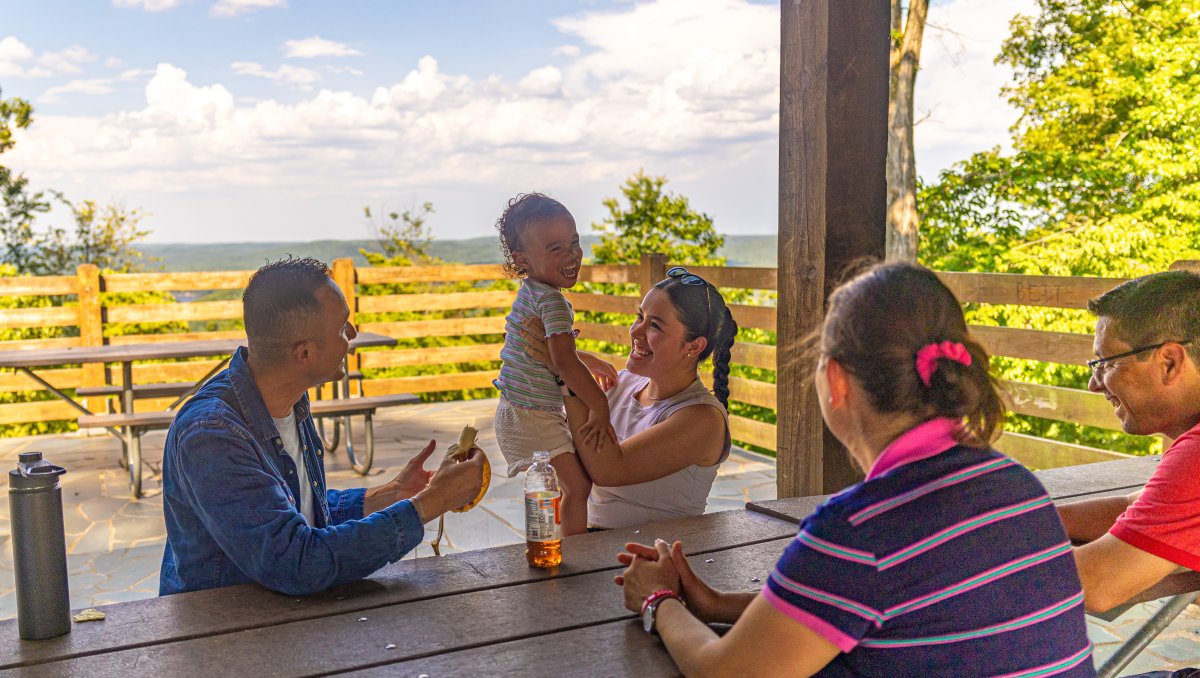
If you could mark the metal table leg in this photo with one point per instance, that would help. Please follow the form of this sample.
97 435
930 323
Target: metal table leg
133 440
1148 632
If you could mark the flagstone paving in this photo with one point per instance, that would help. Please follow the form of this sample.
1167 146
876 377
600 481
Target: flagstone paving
114 543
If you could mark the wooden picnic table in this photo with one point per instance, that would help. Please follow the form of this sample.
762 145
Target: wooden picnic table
27 360
477 613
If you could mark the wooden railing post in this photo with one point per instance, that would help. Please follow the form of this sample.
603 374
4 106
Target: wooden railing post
91 322
346 277
653 269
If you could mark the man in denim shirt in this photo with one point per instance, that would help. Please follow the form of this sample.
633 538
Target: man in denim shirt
243 477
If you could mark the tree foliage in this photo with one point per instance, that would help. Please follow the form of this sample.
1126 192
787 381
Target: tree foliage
655 221
1103 178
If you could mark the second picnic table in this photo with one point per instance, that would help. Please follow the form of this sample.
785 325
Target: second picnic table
121 426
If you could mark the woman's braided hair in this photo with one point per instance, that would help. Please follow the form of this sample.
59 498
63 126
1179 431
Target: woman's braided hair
522 212
704 313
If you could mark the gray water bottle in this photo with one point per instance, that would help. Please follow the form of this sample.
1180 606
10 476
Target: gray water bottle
39 548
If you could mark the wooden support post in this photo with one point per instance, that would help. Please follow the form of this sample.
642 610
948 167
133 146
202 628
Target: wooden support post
346 277
91 324
653 270
832 201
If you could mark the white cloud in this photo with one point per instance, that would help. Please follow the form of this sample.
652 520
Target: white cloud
132 74
229 8
344 70
566 50
148 5
67 60
93 87
18 60
291 76
316 46
688 88
113 62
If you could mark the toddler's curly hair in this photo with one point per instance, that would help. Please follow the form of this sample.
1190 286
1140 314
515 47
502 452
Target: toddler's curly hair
522 212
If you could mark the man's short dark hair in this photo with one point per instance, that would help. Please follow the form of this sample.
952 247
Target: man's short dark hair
1154 308
280 303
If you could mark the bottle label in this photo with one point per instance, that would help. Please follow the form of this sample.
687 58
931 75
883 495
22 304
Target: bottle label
542 521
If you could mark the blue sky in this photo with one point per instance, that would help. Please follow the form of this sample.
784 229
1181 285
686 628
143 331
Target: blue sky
237 120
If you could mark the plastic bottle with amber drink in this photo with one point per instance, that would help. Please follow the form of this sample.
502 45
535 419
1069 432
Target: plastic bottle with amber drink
543 526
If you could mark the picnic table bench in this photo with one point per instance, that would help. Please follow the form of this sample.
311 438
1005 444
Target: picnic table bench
140 422
479 613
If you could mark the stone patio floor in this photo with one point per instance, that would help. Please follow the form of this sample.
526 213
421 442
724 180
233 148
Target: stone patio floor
114 543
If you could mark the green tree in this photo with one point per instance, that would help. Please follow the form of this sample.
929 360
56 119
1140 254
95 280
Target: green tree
1103 178
402 236
655 221
21 207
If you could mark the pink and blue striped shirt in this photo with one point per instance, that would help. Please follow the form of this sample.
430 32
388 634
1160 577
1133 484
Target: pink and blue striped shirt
945 560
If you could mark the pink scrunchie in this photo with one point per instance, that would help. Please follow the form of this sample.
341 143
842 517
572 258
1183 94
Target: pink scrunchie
928 356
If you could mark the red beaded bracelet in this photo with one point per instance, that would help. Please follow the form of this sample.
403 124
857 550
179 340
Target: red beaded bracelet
659 595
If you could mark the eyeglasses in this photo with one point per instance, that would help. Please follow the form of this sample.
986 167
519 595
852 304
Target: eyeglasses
1099 365
687 278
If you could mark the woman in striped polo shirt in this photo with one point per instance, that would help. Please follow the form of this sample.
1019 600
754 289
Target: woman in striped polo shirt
948 559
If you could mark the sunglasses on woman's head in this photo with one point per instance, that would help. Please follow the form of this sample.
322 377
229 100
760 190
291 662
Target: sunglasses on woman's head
686 278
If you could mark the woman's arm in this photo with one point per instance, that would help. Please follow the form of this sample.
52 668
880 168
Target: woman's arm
763 641
691 436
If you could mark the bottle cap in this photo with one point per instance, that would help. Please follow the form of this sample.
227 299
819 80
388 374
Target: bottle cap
541 455
33 472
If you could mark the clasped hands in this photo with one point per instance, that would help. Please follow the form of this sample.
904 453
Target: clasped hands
653 568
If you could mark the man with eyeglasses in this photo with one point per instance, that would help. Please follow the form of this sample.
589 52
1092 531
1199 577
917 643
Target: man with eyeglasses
1146 366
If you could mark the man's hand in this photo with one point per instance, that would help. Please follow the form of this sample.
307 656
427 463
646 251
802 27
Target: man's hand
455 483
534 334
412 479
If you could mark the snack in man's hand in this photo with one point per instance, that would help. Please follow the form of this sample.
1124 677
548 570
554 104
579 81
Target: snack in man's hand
465 442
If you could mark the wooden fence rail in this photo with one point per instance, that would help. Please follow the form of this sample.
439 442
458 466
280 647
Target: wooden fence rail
82 309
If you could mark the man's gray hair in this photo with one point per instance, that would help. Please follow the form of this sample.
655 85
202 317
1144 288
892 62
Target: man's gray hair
280 304
1154 308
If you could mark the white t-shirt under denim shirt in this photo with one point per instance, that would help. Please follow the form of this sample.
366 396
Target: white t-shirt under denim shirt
291 443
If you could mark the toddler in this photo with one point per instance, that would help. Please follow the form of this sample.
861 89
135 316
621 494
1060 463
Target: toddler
541 246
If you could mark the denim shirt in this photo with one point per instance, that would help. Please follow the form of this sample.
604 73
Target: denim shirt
230 501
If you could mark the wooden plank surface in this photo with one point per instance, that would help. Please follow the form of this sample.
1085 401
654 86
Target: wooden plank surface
208 280
161 351
41 316
431 356
1053 347
162 313
396 303
447 327
740 277
37 286
1041 453
1060 404
619 648
369 275
1061 483
1027 290
223 611
759 317
603 303
357 639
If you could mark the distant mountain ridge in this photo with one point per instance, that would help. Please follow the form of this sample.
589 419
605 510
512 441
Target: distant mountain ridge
739 250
